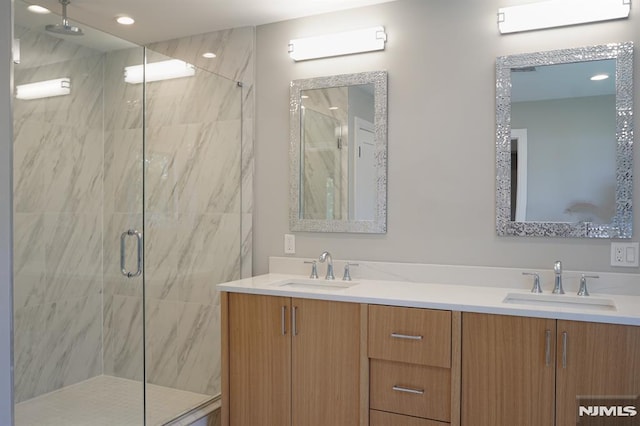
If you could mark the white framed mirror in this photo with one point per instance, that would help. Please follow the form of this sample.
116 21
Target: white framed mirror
564 139
338 153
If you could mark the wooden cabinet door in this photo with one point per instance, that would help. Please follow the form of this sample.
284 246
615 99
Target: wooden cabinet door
595 359
508 370
259 360
325 363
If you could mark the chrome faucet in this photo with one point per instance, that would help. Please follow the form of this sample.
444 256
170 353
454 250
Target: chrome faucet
557 269
326 257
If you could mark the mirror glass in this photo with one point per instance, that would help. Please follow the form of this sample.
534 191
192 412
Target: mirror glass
338 153
564 139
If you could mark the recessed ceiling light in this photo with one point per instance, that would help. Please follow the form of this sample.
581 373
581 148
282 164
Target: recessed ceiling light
125 20
38 9
333 108
209 55
599 77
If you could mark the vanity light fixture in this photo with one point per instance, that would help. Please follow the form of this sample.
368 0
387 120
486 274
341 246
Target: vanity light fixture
345 43
558 13
44 89
156 71
599 77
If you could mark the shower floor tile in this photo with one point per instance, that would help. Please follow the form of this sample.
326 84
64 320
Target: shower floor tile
106 401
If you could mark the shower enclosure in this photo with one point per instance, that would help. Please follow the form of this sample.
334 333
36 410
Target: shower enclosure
126 216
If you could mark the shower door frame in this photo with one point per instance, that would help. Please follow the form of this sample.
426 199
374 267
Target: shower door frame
6 215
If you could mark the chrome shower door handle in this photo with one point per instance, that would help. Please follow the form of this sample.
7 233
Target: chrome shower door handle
140 248
123 268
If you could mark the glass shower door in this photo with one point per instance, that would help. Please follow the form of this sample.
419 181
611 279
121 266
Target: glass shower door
78 172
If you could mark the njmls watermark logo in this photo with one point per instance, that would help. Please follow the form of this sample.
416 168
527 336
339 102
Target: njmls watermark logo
608 410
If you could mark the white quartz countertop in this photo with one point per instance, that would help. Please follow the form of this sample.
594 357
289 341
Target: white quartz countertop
482 299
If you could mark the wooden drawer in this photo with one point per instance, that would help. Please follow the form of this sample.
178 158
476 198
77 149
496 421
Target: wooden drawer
391 385
416 336
382 418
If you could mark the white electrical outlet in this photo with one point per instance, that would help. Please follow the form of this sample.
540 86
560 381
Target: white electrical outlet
625 254
289 244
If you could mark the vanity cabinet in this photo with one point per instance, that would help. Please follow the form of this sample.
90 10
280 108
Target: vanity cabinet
529 371
289 361
414 366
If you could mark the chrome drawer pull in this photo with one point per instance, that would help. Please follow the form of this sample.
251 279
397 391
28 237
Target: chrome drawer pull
408 390
405 336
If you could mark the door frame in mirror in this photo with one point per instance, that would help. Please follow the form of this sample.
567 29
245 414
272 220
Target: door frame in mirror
379 224
621 224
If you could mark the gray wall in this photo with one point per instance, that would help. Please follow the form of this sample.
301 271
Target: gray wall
440 56
6 190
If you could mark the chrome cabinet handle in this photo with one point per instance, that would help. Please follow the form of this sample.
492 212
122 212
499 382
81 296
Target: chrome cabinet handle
564 349
547 347
405 336
284 320
123 268
295 320
408 390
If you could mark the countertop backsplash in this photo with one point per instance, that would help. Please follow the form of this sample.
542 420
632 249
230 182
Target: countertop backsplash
608 283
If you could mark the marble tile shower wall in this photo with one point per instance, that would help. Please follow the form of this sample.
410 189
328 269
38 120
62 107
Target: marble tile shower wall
235 60
58 185
214 182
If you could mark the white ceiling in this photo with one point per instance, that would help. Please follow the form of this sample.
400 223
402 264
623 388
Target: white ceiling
159 20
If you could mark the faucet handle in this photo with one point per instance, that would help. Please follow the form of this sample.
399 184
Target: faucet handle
314 268
557 267
536 282
347 274
583 284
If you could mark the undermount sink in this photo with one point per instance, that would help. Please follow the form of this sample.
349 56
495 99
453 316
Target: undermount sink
316 284
561 301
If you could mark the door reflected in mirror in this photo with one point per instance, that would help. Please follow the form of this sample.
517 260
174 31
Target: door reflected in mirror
338 153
